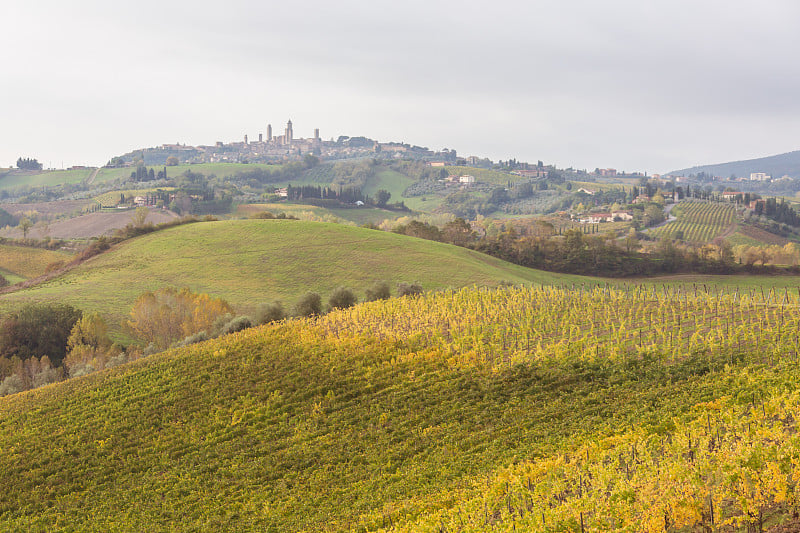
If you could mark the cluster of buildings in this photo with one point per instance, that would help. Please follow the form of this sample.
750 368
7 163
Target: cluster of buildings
597 218
271 147
464 180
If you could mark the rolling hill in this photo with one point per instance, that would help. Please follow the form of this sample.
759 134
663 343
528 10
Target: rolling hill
508 410
775 165
250 261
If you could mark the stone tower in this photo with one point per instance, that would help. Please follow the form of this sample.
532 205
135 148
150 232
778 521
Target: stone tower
289 135
316 134
260 137
269 132
245 139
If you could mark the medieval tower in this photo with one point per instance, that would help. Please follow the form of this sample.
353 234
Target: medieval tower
288 137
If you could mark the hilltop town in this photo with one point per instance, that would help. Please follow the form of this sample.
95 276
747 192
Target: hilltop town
271 148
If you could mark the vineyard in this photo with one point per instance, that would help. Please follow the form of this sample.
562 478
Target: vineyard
698 222
517 409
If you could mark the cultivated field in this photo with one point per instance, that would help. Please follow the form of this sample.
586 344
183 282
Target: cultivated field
86 226
698 222
528 409
61 208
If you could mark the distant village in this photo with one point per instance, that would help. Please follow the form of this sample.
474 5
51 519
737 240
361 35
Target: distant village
271 148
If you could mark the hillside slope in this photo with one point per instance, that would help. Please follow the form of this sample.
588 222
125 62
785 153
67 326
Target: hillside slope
460 411
775 165
250 261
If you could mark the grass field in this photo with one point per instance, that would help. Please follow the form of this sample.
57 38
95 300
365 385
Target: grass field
218 169
358 216
250 261
11 277
595 186
20 178
390 180
25 262
534 409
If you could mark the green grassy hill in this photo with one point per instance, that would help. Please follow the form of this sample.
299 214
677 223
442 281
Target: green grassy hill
42 178
250 261
507 410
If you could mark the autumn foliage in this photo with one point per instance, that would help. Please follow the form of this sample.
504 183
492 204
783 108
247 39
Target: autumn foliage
167 315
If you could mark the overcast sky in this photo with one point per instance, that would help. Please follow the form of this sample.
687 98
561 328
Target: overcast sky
630 84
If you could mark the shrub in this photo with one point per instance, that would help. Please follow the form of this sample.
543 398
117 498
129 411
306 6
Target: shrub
309 305
409 289
193 339
12 384
342 298
117 360
379 291
81 369
270 312
237 324
46 375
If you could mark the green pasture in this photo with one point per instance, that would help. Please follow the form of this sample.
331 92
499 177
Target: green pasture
46 178
248 262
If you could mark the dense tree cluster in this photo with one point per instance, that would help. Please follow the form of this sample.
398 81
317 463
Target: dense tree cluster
142 173
27 163
578 253
349 195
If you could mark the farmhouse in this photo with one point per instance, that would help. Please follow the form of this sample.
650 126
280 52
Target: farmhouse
466 180
596 218
622 215
730 195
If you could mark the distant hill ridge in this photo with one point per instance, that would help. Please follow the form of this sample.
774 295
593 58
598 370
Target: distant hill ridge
775 165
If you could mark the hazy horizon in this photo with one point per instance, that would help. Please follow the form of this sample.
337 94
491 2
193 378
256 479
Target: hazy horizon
634 86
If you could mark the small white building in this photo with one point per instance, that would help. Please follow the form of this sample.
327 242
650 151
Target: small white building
760 176
466 180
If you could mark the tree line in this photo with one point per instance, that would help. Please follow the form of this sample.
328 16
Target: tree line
574 252
48 342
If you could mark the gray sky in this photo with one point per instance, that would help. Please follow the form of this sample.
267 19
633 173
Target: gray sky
630 84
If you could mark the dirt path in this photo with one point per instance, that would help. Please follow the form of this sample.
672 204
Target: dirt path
92 176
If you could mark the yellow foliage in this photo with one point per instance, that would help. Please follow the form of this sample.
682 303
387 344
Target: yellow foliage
168 314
